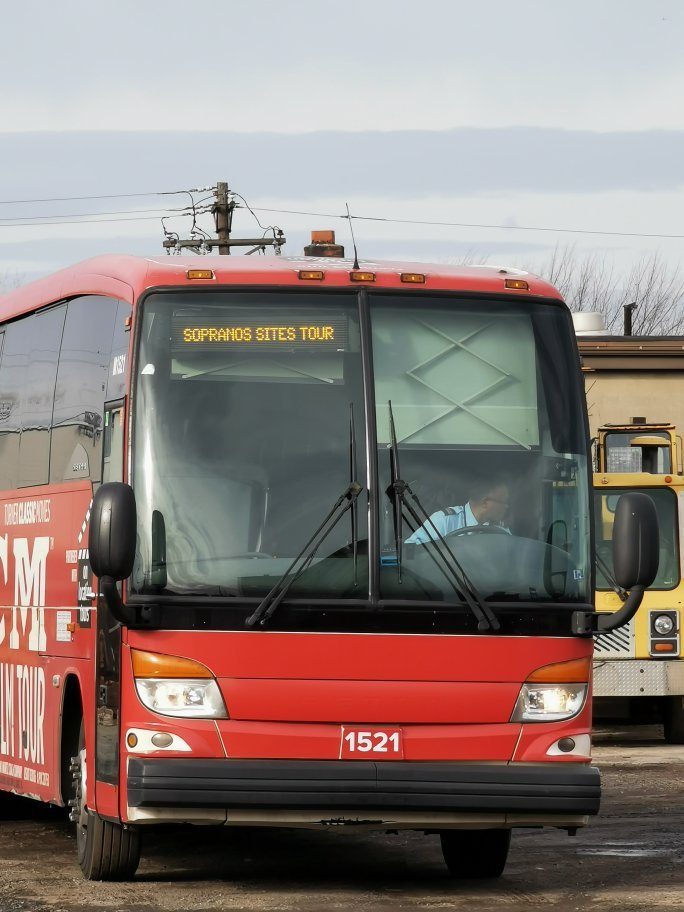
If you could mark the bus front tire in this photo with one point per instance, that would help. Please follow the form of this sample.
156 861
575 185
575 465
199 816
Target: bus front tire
475 854
106 851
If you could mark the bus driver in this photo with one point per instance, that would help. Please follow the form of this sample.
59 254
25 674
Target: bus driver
487 506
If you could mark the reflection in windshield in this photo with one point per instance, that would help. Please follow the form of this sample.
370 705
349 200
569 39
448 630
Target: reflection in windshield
243 441
487 443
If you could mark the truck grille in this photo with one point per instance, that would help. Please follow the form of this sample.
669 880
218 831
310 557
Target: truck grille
618 644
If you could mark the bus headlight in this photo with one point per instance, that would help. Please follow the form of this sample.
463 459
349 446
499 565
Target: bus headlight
191 698
176 686
549 702
553 692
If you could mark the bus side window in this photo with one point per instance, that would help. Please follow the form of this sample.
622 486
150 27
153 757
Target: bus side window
84 365
45 336
113 443
8 459
12 382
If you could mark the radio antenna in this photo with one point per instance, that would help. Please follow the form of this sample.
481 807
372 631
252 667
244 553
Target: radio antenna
351 229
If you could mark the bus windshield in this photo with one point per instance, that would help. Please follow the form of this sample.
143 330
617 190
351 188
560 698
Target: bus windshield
253 411
489 437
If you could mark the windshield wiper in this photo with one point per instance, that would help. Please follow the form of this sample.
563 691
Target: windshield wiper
454 572
272 599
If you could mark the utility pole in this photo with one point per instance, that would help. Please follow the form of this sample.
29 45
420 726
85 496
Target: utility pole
199 242
223 217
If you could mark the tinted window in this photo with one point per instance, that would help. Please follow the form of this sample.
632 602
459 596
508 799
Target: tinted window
9 438
12 381
84 366
244 408
474 407
42 335
118 363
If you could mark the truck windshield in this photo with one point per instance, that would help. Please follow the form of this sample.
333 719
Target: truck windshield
665 501
252 414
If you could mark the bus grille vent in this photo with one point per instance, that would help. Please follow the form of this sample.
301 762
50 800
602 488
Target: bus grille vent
616 643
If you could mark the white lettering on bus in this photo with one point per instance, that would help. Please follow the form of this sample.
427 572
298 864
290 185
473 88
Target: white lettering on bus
6 709
22 713
27 512
29 591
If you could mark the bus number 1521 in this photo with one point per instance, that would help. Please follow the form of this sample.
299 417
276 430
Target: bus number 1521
357 742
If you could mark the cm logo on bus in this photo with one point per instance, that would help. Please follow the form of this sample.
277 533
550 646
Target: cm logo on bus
28 609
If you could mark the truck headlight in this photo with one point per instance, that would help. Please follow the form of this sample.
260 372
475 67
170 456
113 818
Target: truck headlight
553 692
663 624
175 686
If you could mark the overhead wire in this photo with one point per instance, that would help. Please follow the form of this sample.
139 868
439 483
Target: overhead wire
86 215
397 221
196 208
65 199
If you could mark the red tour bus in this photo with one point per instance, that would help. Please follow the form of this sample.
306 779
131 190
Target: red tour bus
288 542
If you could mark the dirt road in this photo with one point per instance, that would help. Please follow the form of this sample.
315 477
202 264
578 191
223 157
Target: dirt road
630 858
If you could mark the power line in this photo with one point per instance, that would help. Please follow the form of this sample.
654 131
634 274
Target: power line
67 199
96 218
92 221
87 215
374 218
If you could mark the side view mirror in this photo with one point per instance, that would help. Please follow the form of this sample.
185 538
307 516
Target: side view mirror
636 544
111 542
636 554
113 525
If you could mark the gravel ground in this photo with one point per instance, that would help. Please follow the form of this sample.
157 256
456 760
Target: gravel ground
630 858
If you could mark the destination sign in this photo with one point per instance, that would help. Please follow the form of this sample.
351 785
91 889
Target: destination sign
272 331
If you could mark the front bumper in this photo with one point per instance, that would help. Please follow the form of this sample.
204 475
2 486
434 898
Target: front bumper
638 677
273 791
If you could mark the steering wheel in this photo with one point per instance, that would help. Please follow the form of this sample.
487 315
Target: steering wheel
260 555
488 530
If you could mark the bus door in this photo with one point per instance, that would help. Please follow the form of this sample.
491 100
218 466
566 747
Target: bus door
107 694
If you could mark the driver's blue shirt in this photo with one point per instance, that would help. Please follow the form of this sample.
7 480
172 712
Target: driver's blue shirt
445 521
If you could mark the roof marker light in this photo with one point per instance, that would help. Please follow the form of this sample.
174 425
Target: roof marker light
519 284
200 274
412 278
358 276
311 275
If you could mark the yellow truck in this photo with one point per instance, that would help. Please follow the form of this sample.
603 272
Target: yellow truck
639 668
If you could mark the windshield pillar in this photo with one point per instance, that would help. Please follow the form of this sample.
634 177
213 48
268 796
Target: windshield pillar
371 449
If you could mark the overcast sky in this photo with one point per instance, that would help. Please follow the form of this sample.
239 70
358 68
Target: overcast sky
511 116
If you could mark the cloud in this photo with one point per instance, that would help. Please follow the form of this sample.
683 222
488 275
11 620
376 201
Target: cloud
440 64
451 162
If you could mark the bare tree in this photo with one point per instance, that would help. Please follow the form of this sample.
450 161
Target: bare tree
590 283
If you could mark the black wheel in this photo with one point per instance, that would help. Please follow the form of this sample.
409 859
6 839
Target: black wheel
475 854
106 851
674 720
